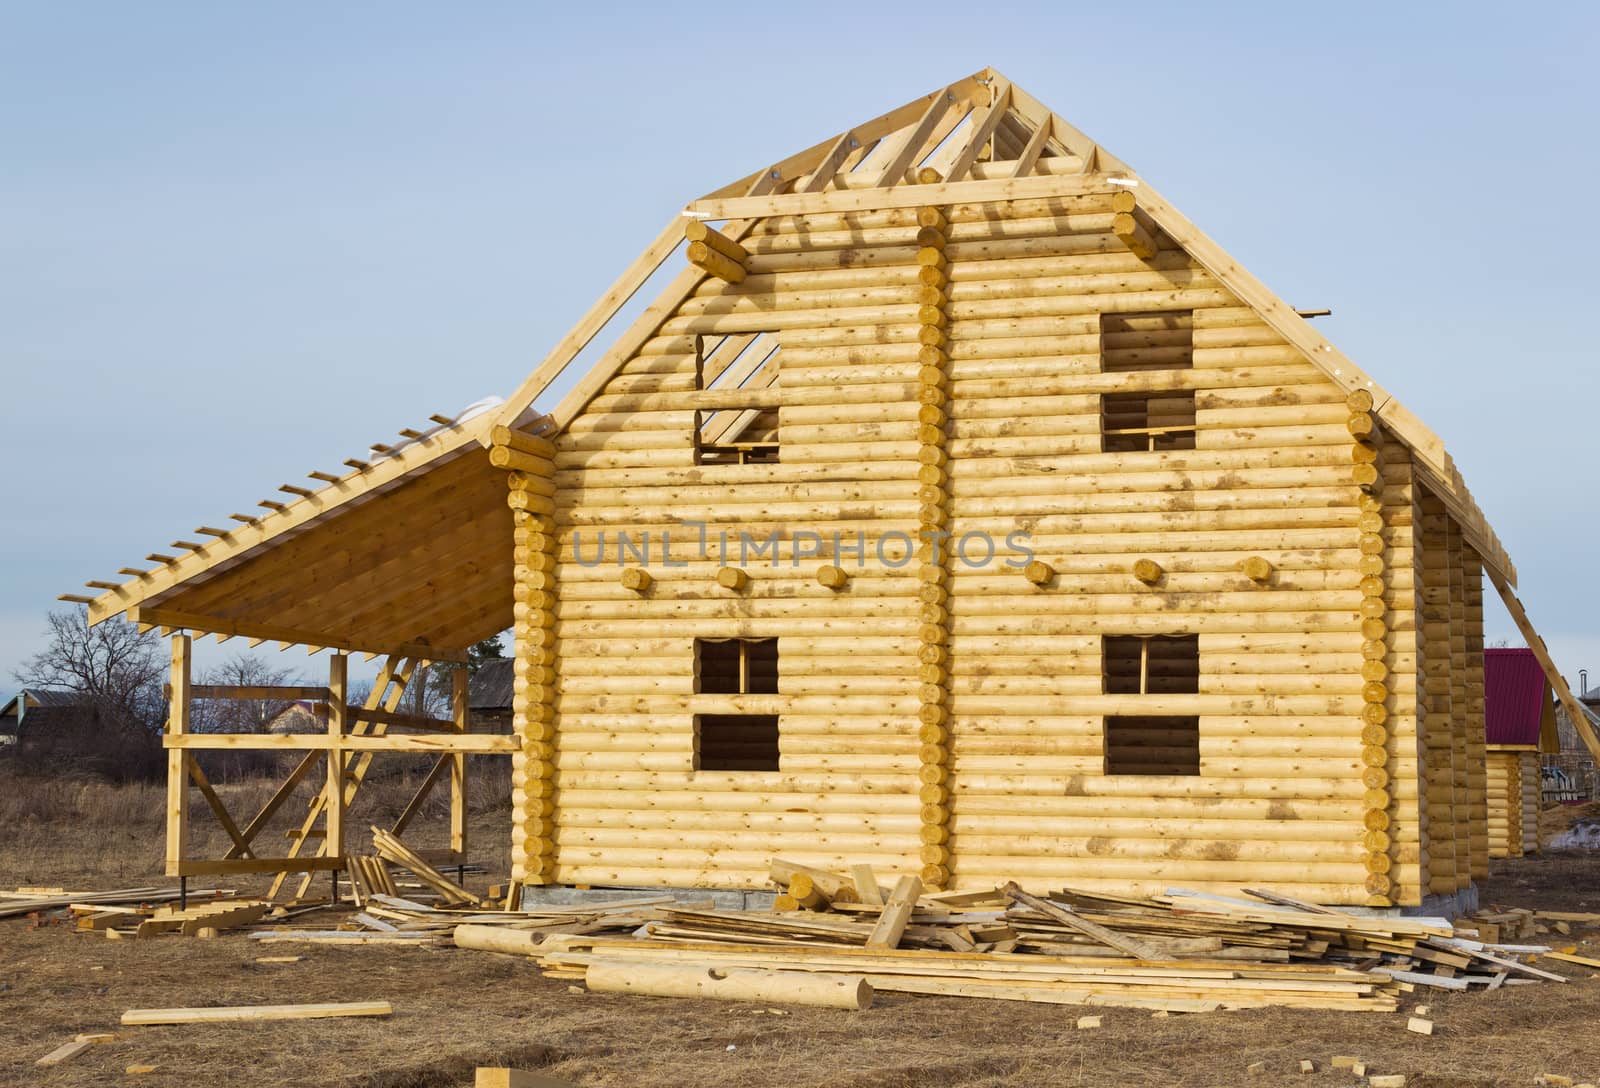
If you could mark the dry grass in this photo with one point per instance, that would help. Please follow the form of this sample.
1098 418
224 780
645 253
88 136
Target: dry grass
457 1009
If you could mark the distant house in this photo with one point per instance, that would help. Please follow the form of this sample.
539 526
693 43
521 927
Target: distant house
40 712
489 697
1570 773
300 716
1519 722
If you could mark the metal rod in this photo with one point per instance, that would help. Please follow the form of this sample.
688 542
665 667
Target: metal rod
183 893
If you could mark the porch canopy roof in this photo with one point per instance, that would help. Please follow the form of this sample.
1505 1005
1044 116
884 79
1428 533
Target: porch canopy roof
425 572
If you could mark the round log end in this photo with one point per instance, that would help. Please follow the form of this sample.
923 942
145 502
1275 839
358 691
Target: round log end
1147 571
1039 572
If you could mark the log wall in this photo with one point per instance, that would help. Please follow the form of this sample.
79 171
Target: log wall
1512 795
944 716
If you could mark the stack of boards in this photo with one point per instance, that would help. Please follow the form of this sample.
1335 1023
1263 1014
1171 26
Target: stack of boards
1180 952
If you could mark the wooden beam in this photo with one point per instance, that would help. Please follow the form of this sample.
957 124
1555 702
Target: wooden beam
458 763
177 769
1031 151
916 137
391 742
218 809
1541 652
520 403
287 517
216 1014
983 130
804 162
646 324
338 722
911 196
215 625
896 914
257 692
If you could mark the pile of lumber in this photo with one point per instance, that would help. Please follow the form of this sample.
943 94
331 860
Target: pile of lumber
388 919
391 849
206 919
26 901
1180 952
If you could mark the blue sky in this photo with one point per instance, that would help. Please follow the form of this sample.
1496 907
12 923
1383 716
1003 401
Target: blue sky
238 243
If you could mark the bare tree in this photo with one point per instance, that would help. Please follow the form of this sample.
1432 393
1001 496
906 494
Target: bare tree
116 667
242 670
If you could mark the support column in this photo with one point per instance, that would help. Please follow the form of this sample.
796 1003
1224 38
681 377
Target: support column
177 768
458 766
934 549
333 806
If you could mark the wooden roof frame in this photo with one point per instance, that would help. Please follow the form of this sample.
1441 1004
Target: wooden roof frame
140 596
788 187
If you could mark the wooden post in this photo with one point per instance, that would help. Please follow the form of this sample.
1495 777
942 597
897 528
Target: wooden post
338 712
458 766
177 770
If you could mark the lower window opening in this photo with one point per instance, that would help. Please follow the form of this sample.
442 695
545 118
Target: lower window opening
736 742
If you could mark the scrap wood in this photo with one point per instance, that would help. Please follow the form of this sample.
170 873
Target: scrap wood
502 1077
224 1013
1057 913
1568 957
392 849
87 900
65 1052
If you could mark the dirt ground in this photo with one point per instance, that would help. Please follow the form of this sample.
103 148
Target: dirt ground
456 1009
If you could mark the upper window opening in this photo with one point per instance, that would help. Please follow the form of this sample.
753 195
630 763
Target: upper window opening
1151 417
737 376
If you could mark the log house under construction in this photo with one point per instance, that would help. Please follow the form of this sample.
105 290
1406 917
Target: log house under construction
957 507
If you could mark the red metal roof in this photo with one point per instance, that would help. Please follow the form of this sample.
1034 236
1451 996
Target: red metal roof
1515 692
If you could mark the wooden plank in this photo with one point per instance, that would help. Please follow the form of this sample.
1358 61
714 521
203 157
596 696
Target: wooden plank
226 1013
896 913
1568 957
218 810
65 1052
1105 936
500 1077
866 883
